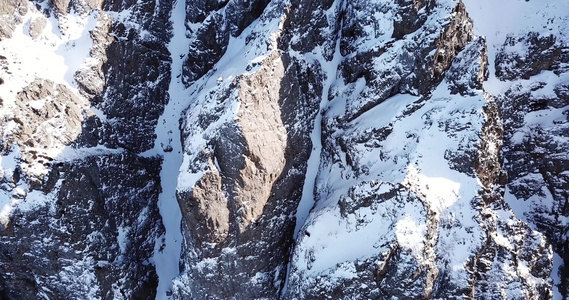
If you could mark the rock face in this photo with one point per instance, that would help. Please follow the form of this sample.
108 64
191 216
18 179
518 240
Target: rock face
536 140
249 153
85 237
403 149
420 185
80 218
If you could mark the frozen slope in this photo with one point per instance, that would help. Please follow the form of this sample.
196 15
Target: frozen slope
168 145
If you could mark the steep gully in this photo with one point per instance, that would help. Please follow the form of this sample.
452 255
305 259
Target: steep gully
168 248
307 201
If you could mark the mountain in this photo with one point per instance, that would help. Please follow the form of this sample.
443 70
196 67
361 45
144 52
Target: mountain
232 149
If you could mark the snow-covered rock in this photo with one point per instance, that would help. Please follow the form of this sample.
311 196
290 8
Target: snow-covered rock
285 149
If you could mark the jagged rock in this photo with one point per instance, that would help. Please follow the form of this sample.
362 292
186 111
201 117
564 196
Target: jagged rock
83 236
422 56
61 7
329 149
524 56
91 80
36 27
83 219
414 259
469 68
238 214
219 20
11 12
535 143
208 47
136 79
408 18
49 115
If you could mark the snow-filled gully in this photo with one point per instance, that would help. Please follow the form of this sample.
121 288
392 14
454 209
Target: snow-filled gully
313 164
168 247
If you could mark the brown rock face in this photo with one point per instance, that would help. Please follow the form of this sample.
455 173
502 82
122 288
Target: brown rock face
49 116
235 192
244 164
11 12
238 215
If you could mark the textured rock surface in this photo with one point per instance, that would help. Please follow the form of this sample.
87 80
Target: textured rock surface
11 13
536 138
211 24
394 182
83 217
401 149
82 236
251 145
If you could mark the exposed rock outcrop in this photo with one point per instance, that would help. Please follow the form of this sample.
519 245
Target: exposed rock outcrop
388 183
323 149
535 139
11 13
89 234
80 215
239 214
211 23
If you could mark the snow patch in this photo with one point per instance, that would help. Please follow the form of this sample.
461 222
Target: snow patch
411 236
440 192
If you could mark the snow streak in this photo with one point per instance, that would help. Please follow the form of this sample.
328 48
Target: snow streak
168 248
313 164
308 200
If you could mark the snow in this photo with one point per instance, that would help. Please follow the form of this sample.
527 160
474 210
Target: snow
36 199
9 162
8 165
168 248
410 235
496 20
557 263
323 252
6 204
313 163
37 104
81 274
55 55
381 115
186 180
545 118
413 155
122 238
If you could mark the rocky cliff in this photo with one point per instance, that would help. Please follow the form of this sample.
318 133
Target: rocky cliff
230 149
